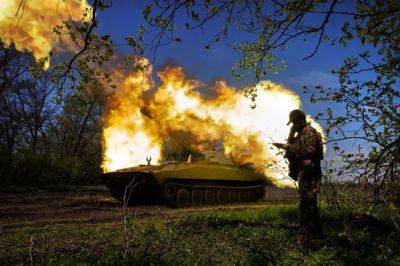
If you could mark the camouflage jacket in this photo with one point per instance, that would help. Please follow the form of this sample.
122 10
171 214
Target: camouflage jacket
307 145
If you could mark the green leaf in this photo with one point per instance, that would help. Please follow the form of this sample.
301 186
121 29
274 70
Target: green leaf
147 11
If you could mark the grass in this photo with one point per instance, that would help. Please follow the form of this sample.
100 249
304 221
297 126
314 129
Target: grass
252 236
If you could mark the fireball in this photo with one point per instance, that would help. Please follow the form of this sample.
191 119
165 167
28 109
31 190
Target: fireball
245 133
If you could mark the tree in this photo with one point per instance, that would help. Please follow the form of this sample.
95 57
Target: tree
45 138
14 66
76 137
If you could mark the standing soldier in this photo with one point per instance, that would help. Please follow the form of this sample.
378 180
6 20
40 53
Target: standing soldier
305 153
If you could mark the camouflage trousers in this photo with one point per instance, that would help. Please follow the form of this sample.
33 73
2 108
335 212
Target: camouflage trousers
309 220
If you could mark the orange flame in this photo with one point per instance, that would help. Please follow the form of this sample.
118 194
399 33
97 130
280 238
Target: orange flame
176 106
128 135
32 27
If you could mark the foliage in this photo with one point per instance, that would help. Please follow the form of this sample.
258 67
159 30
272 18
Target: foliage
371 97
43 141
85 68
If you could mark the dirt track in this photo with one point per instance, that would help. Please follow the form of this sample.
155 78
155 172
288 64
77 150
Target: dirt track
95 206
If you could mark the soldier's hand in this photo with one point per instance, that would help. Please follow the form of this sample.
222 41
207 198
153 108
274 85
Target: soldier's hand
280 145
292 131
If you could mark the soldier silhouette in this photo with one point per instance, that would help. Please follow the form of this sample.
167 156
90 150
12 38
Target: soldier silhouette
148 159
304 151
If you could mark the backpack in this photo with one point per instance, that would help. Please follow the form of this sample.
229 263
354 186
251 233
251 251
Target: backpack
320 149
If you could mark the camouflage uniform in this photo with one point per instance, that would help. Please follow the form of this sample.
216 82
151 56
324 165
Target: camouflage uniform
307 148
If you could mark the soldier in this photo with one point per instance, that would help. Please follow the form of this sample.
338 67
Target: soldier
304 151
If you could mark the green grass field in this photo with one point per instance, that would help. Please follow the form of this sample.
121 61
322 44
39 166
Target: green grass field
263 233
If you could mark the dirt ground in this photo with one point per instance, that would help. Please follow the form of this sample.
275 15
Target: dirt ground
94 205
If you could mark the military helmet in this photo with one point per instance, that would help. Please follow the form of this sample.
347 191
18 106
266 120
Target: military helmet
296 115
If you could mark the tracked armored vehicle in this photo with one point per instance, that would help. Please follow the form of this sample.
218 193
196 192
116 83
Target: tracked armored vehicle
206 178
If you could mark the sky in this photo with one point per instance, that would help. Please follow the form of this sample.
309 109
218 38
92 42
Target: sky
125 16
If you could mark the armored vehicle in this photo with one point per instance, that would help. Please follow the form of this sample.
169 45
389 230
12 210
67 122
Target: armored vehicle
206 178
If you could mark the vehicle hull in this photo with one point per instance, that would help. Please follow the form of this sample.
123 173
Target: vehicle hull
184 183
